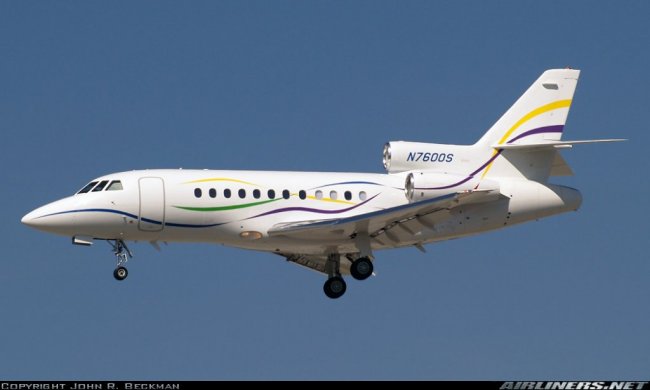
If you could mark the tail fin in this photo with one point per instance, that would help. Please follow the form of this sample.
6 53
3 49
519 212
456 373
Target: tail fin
538 116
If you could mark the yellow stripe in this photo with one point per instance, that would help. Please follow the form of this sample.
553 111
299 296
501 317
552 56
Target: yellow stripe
538 111
485 171
330 200
221 179
256 185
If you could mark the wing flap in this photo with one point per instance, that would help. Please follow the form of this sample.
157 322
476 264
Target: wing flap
315 263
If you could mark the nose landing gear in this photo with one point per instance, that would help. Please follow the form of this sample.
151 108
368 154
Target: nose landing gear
120 273
122 254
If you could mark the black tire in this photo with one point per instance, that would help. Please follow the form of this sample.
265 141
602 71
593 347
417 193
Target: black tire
120 273
334 287
361 268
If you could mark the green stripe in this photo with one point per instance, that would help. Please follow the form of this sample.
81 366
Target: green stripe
224 208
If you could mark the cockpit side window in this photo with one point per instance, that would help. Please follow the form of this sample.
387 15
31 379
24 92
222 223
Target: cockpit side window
87 188
100 186
115 185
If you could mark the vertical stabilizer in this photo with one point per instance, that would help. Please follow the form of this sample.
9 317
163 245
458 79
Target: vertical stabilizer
537 116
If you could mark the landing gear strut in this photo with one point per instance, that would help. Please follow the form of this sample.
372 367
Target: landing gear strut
122 254
335 286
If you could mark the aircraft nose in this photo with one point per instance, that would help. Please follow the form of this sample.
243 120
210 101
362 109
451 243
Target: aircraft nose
50 218
29 219
40 218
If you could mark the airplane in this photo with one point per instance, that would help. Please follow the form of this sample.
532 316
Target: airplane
334 222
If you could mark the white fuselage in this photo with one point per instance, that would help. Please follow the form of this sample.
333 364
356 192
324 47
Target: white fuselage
237 208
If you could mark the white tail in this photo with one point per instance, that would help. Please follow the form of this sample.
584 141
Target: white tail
539 114
537 117
523 143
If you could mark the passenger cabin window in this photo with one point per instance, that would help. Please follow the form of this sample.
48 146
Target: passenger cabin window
198 192
242 193
333 195
87 188
226 193
302 194
213 193
363 195
285 194
319 194
256 194
271 194
348 195
115 185
100 186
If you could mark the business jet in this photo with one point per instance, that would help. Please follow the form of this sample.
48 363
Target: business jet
334 223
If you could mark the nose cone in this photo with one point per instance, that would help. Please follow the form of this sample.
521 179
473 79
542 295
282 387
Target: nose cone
53 218
44 219
30 218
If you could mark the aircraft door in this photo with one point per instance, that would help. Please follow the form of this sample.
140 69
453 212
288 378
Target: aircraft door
152 204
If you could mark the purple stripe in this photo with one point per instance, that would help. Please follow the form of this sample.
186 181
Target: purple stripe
444 187
486 163
348 182
539 130
310 210
471 175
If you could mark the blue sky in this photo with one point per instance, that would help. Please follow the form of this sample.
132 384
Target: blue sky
92 87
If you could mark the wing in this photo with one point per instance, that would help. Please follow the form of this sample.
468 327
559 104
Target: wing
316 262
378 222
374 225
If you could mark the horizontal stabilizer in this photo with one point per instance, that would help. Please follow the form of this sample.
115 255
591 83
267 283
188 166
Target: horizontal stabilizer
554 144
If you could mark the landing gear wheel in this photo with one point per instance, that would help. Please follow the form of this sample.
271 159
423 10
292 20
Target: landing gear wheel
122 254
334 287
361 268
120 273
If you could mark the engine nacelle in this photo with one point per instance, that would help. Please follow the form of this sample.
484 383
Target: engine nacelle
425 185
400 156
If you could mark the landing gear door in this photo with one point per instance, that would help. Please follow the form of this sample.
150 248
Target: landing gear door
152 204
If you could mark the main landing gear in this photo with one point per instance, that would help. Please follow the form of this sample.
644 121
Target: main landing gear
335 285
361 268
122 254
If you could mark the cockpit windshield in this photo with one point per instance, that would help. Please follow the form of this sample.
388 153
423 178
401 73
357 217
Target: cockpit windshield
115 185
100 186
87 188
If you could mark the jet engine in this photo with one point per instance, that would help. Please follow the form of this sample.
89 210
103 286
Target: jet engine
400 156
425 185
